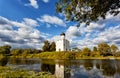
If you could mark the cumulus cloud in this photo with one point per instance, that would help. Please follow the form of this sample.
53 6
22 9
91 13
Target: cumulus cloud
73 32
30 22
52 20
46 1
96 32
26 35
33 3
110 35
110 19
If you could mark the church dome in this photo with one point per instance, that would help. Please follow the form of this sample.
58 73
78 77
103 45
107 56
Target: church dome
62 34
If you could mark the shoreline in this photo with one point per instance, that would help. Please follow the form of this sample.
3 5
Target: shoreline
80 58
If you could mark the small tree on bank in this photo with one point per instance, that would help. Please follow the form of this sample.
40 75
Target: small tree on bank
52 46
49 47
46 46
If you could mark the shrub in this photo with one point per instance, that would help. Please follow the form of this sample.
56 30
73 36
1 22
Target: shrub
117 54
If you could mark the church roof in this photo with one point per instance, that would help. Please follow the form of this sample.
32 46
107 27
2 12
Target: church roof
62 34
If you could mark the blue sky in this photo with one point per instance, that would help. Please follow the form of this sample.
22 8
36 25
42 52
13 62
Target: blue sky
28 23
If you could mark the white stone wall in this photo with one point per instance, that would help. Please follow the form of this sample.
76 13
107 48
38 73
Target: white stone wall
62 45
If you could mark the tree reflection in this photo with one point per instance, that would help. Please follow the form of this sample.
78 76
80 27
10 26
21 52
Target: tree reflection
4 61
108 67
18 61
88 64
48 68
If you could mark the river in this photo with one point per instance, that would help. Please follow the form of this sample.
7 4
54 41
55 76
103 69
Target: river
70 68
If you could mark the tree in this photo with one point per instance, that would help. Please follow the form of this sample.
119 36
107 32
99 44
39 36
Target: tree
104 49
76 49
86 51
46 46
5 49
27 51
94 49
52 46
87 10
16 51
114 48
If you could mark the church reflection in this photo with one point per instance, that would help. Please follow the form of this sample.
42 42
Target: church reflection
85 69
61 71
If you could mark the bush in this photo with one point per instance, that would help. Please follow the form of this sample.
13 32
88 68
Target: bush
117 54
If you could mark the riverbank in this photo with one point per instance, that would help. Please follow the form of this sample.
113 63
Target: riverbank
7 72
63 55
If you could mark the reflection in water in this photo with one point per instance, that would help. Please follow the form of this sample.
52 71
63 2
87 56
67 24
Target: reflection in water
59 71
26 64
89 69
3 61
48 68
71 68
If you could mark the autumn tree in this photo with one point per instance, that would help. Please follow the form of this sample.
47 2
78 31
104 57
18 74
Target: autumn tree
114 48
104 48
87 10
86 51
52 46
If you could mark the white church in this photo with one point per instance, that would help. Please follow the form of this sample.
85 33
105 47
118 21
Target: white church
62 44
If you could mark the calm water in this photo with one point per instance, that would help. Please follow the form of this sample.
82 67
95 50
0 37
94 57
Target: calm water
70 68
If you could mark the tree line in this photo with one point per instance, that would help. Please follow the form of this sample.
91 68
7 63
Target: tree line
6 49
102 49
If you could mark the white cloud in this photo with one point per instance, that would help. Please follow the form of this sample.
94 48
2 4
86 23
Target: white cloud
73 32
46 1
95 26
26 35
52 20
33 3
96 32
55 38
30 22
110 19
110 35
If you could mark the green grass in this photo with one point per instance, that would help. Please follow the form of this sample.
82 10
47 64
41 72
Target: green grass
6 72
64 55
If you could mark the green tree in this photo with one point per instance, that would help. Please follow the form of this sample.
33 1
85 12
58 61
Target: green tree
94 49
87 10
46 46
5 49
86 51
37 51
76 49
52 46
114 48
